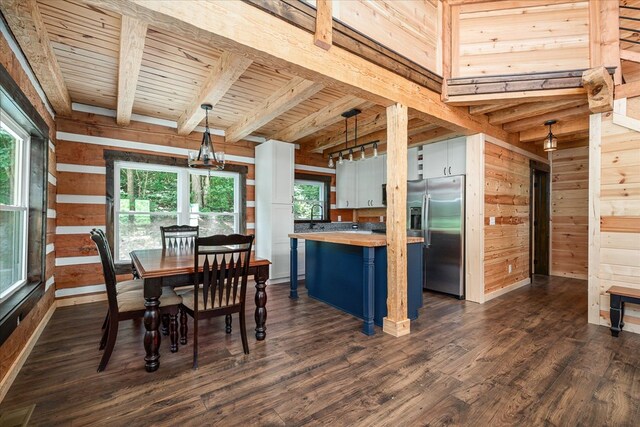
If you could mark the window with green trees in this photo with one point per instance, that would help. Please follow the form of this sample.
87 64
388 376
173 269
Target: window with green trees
14 205
311 197
151 196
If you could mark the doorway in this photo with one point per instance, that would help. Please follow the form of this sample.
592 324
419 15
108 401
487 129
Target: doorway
539 218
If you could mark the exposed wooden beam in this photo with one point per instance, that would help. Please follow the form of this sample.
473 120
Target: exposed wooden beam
322 118
532 122
599 86
559 129
285 98
629 90
609 21
490 108
324 24
224 25
526 96
630 55
25 21
132 35
396 322
528 110
224 74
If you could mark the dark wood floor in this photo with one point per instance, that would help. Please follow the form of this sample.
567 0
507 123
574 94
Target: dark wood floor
527 358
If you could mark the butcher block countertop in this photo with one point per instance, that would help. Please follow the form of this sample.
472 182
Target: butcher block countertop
365 239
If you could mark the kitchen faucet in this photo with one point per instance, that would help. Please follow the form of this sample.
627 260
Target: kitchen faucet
311 223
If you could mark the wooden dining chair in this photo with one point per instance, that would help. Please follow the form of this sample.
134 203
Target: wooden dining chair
179 237
221 288
124 305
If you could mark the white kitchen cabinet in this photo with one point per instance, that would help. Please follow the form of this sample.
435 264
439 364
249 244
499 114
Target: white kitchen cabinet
274 204
444 158
370 176
412 164
346 185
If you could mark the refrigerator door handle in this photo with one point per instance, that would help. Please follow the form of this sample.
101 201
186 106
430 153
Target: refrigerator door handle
425 219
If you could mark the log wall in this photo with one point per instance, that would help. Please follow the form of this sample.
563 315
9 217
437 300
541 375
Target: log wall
570 212
505 37
506 198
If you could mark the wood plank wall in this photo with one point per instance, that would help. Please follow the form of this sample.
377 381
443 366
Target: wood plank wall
506 197
619 216
503 37
570 212
82 139
11 348
408 27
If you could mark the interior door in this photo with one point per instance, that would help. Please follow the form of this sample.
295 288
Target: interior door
540 221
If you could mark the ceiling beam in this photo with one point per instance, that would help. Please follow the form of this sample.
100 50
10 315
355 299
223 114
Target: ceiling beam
285 98
490 108
520 96
320 119
224 74
532 122
323 36
559 129
630 55
528 110
273 41
628 90
25 21
132 35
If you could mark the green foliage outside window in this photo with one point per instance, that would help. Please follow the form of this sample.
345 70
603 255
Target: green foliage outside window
305 197
7 167
160 189
212 193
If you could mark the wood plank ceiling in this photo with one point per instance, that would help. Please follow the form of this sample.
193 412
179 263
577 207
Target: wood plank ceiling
175 75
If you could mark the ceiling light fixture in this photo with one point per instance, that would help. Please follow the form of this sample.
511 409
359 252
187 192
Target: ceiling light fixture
550 142
206 157
349 150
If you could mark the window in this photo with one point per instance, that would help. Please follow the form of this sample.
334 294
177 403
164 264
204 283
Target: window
150 196
311 197
14 205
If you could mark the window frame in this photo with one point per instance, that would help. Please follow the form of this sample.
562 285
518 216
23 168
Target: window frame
326 181
114 158
21 202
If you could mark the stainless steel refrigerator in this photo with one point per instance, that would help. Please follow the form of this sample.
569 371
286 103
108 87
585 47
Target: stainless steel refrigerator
435 210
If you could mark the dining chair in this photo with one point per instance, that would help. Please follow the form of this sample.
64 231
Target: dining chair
125 305
221 288
179 237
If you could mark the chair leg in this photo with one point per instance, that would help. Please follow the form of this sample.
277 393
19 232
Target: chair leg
227 322
103 340
195 343
183 327
111 341
106 321
165 324
243 332
173 331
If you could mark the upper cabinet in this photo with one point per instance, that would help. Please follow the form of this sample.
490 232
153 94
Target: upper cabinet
371 174
444 158
413 171
346 185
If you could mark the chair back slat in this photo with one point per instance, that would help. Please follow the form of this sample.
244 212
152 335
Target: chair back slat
108 268
225 264
179 237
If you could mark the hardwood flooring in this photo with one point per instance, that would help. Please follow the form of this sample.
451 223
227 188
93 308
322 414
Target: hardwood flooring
526 358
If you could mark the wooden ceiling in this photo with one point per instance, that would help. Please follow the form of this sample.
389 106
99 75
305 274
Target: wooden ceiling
175 75
630 39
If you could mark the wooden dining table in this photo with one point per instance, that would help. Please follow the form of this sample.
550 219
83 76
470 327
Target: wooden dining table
158 268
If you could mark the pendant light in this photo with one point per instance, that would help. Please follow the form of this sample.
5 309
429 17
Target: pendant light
207 157
362 153
550 142
330 161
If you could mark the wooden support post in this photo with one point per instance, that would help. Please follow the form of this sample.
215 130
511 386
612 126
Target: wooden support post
324 24
599 86
474 219
595 140
397 323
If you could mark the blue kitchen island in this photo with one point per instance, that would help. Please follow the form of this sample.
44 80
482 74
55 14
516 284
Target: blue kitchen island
348 271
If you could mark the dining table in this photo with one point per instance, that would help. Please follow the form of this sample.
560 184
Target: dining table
163 267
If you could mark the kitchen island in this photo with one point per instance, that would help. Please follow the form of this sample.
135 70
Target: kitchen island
348 270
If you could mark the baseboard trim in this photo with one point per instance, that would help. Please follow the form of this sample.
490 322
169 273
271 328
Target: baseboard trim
507 289
17 364
81 299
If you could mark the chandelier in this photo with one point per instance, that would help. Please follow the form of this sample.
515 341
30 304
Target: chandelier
206 157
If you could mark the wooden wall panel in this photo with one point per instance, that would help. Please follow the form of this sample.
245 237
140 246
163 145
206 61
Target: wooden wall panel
506 38
619 198
404 26
569 212
506 198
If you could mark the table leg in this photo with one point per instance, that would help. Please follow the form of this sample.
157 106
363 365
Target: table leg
152 292
368 285
615 312
261 276
293 269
